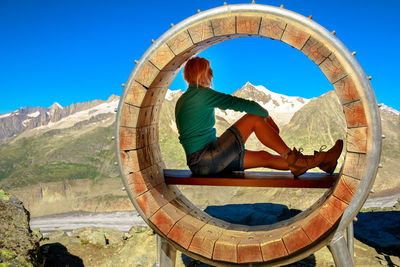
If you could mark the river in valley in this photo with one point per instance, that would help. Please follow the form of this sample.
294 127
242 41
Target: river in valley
124 220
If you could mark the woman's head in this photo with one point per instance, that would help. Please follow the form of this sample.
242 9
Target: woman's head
198 71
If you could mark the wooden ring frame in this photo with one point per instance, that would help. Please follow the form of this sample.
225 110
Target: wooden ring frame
170 214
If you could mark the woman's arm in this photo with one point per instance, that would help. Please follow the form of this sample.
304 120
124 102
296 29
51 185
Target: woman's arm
226 101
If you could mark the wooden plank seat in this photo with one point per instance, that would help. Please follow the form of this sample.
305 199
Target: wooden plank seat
252 179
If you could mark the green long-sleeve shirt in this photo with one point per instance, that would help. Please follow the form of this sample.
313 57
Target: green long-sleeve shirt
195 117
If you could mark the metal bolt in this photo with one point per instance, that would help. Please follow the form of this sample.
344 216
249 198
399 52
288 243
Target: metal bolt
122 85
136 62
115 163
333 32
152 40
225 3
372 191
113 137
172 25
310 17
198 10
380 165
369 77
123 188
379 105
383 136
354 53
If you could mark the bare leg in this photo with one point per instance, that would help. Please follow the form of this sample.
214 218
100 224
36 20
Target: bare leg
254 159
264 131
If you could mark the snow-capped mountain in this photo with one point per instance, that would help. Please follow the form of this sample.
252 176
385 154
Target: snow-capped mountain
28 119
281 107
390 110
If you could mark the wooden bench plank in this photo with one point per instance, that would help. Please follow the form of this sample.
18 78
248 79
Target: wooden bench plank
252 179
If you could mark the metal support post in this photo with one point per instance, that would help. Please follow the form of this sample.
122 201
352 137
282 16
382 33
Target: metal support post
340 251
166 253
350 239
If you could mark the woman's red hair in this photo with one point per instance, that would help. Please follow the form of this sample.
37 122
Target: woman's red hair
196 71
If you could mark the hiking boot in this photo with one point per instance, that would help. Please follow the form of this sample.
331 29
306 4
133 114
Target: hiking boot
330 157
299 163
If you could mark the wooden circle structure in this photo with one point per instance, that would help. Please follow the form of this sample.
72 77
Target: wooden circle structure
171 214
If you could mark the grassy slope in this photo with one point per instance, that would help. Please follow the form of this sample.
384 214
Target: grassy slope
57 155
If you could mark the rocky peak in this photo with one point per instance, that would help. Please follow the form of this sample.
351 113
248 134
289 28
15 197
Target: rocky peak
26 118
55 106
112 98
389 110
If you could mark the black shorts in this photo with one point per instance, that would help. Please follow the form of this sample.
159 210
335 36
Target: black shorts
224 155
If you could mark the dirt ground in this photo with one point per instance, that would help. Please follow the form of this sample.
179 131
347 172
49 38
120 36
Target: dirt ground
141 250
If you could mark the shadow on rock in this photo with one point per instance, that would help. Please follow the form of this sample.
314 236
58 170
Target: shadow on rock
57 255
380 229
252 215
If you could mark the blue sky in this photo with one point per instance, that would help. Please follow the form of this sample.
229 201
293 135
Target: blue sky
75 51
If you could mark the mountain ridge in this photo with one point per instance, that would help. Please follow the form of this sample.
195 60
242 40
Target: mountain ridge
68 164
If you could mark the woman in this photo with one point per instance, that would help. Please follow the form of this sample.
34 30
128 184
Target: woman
206 154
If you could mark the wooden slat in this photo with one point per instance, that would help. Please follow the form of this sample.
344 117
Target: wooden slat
144 118
346 90
272 28
130 162
154 96
315 225
315 51
151 201
166 217
165 77
296 239
185 229
333 209
224 26
225 248
201 32
129 116
247 24
249 249
161 56
136 94
136 160
355 114
177 63
350 182
272 246
332 69
252 179
136 138
294 36
354 165
342 192
180 42
204 240
147 73
357 139
144 180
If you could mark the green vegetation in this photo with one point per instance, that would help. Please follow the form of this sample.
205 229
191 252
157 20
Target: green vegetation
57 155
4 195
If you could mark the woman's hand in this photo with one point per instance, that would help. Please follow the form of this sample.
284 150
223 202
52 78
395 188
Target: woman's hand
271 122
